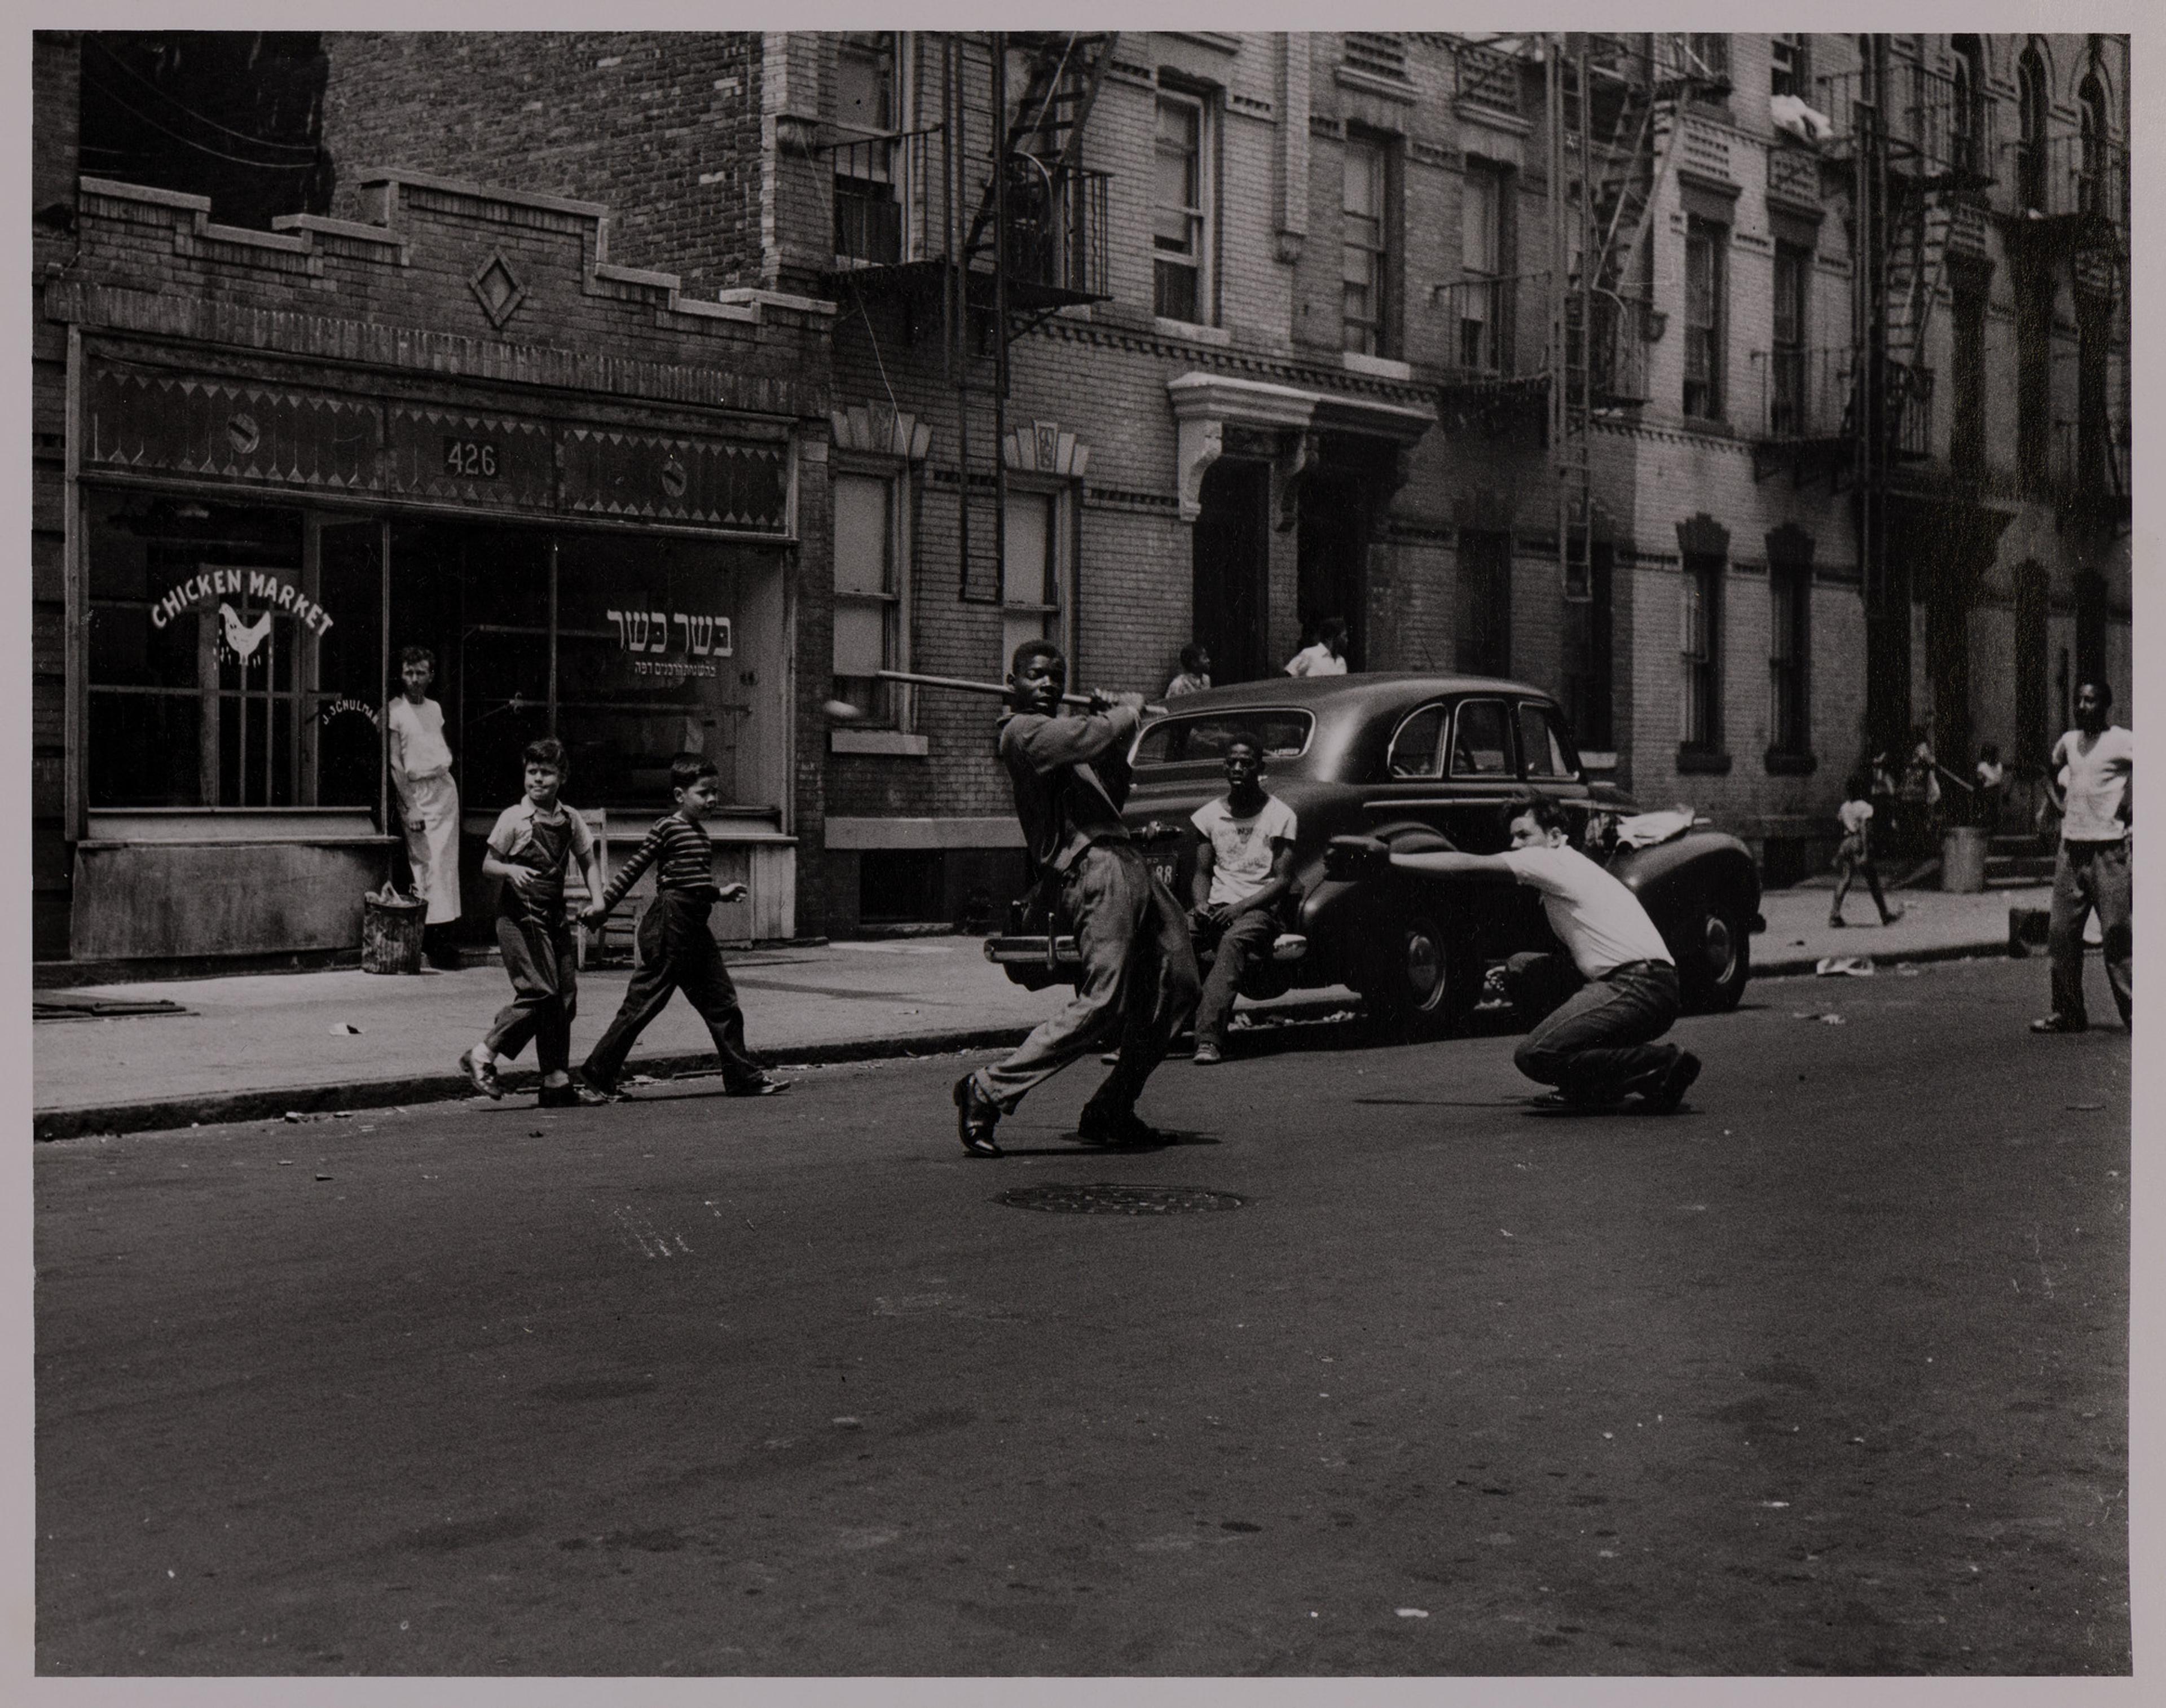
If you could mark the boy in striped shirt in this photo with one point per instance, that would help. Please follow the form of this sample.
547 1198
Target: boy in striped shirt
677 951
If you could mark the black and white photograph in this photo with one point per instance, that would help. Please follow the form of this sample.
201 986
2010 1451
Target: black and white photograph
1401 761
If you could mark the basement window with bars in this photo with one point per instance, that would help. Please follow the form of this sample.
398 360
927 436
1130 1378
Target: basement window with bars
1180 215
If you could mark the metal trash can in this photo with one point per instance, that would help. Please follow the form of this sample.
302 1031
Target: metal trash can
391 935
1962 859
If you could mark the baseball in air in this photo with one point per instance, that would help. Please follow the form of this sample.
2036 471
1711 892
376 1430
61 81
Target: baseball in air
841 711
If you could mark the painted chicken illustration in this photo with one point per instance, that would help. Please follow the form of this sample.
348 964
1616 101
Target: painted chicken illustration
244 639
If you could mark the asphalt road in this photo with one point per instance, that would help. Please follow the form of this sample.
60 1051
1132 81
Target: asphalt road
1825 1374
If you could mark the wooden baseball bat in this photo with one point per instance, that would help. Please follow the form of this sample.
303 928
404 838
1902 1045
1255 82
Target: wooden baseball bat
970 687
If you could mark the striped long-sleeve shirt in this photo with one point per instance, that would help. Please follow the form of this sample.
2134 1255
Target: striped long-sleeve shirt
685 855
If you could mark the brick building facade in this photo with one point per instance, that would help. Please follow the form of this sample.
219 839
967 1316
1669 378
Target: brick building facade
1295 358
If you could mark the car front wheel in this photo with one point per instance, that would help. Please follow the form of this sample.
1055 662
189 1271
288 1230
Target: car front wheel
1717 961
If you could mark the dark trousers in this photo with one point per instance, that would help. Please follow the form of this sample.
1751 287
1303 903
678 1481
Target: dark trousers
2091 876
677 952
1245 941
541 956
1139 984
1601 1037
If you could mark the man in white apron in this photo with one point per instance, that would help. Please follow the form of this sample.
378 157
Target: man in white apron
428 799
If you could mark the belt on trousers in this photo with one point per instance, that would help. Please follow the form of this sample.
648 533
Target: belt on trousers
1639 966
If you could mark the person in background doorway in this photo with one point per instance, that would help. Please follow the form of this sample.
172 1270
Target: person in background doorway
1853 854
1327 657
2091 777
1921 795
1195 672
1992 782
1244 875
427 799
535 840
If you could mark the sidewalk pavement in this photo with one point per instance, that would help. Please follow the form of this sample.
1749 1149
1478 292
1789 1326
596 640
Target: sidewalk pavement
255 1045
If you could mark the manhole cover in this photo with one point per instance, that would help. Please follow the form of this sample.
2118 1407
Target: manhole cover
1103 1199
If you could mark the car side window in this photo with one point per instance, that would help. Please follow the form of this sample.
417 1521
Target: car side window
1546 755
1417 748
1482 740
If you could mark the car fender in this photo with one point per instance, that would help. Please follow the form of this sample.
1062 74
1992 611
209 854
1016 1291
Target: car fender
1672 879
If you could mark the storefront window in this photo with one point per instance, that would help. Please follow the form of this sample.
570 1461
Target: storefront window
202 629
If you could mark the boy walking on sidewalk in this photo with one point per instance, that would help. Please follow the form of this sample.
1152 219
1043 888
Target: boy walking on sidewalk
677 951
533 842
1853 854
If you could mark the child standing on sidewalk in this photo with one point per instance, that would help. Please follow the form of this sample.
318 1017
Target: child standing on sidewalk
428 799
1853 855
677 951
533 842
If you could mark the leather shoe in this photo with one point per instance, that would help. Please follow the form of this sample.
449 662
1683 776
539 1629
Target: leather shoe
976 1116
1677 1079
2061 1023
482 1074
1126 1127
573 1095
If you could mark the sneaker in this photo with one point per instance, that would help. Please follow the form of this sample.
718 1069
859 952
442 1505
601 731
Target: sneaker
2062 1022
607 1093
482 1075
1677 1079
1891 916
1112 1058
1207 1055
766 1086
976 1116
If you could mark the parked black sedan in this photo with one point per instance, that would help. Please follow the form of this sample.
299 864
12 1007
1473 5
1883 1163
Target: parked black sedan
1420 762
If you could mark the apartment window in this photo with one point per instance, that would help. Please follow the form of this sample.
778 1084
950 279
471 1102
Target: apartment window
868 111
1789 657
871 544
2032 109
1793 275
1700 644
1966 99
2094 472
1967 416
1485 305
1180 220
1485 603
1706 287
1710 57
2034 357
2091 187
1364 266
1589 649
1034 573
1789 71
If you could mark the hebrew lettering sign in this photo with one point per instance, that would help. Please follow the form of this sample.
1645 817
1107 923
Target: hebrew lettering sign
672 642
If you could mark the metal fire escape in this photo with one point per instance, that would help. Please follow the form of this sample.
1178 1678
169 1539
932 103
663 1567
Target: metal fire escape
982 222
1610 113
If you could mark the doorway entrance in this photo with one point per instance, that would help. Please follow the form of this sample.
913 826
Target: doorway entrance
1333 546
1232 551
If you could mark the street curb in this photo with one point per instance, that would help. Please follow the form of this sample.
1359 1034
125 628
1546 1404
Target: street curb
151 1114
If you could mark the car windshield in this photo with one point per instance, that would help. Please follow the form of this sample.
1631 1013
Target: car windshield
1180 741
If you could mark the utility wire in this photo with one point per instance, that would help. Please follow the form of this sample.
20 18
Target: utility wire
174 100
273 165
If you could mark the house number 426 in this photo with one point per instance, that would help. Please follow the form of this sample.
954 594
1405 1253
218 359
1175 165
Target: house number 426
470 457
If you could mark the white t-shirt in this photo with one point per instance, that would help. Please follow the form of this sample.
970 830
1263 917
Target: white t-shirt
1854 816
2094 783
417 737
1318 660
1242 849
1593 915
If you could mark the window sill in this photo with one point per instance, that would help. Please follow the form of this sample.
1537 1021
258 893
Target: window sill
1597 761
891 744
1700 762
1782 764
1194 330
1377 366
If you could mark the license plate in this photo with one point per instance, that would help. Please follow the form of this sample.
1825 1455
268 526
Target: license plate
1162 867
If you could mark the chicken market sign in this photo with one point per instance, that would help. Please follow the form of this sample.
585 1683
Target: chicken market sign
259 586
